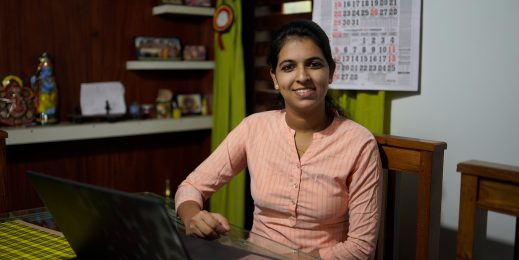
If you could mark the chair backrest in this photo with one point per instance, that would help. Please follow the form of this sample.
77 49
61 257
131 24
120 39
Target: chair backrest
419 157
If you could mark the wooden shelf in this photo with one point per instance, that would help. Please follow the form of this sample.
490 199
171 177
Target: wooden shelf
70 132
169 65
183 9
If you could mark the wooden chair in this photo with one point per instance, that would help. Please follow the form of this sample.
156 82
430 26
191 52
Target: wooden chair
489 186
422 158
3 174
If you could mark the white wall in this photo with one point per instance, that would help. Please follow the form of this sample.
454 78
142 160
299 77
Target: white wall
469 93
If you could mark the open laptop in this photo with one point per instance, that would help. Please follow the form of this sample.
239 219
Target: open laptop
101 223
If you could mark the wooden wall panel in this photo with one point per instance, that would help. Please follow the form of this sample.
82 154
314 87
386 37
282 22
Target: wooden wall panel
134 164
90 41
3 172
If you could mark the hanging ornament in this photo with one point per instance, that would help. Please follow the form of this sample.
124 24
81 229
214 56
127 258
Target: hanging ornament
222 21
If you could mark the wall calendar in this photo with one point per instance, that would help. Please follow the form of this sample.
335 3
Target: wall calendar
375 43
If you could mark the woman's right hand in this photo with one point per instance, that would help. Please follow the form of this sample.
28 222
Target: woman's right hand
201 223
207 225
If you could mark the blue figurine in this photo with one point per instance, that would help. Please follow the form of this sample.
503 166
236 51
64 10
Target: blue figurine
45 91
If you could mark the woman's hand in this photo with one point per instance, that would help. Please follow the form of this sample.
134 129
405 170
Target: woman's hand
201 223
207 225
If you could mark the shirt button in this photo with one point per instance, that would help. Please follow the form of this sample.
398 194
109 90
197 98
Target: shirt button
295 185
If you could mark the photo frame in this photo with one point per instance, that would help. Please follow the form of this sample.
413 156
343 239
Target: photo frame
194 52
174 2
158 48
190 104
198 2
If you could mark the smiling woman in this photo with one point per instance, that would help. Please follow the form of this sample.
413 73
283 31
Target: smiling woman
314 173
302 76
293 42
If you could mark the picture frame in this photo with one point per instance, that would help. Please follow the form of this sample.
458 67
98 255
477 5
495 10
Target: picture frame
198 2
190 104
173 2
158 48
194 52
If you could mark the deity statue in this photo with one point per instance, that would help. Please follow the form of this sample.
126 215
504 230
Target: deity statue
45 91
16 104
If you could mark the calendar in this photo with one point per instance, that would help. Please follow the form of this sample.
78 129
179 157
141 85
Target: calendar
375 43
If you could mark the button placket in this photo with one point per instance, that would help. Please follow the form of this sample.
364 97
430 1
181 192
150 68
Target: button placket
294 192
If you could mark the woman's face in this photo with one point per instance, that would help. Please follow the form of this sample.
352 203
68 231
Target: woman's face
302 75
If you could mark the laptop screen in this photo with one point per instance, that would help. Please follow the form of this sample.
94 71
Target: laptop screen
101 223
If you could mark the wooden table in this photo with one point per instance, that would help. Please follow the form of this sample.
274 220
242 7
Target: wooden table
489 186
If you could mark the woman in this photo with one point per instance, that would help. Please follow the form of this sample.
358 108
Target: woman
314 174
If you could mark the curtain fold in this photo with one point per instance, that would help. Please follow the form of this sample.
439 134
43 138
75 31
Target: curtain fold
229 110
367 108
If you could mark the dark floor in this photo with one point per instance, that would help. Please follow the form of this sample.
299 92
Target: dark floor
484 249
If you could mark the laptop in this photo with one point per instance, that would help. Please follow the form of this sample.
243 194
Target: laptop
102 223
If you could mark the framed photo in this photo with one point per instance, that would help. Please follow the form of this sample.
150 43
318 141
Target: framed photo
158 48
198 2
194 52
190 104
174 2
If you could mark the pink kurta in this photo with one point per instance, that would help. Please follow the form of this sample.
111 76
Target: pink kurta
328 200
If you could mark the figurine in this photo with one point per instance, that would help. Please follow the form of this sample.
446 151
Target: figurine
163 103
45 91
16 104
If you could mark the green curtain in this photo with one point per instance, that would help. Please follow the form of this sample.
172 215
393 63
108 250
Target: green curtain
229 110
367 108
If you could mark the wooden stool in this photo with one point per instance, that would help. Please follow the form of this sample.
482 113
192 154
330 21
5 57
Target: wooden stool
488 186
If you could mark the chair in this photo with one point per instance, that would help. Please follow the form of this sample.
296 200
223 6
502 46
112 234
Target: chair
489 186
3 174
422 158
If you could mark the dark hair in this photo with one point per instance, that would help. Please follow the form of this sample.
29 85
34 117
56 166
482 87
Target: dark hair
311 30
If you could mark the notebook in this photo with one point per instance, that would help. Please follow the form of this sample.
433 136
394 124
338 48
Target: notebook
102 223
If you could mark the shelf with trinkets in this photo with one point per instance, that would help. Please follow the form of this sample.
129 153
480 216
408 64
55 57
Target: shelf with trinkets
128 154
70 131
175 9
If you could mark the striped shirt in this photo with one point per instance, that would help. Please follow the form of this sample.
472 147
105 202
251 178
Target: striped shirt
327 200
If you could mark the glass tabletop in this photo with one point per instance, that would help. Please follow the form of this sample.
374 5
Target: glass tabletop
236 237
244 239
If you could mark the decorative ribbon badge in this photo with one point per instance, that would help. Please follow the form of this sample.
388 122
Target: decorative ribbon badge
222 21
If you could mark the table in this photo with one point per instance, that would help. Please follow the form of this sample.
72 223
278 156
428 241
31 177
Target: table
237 237
489 186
